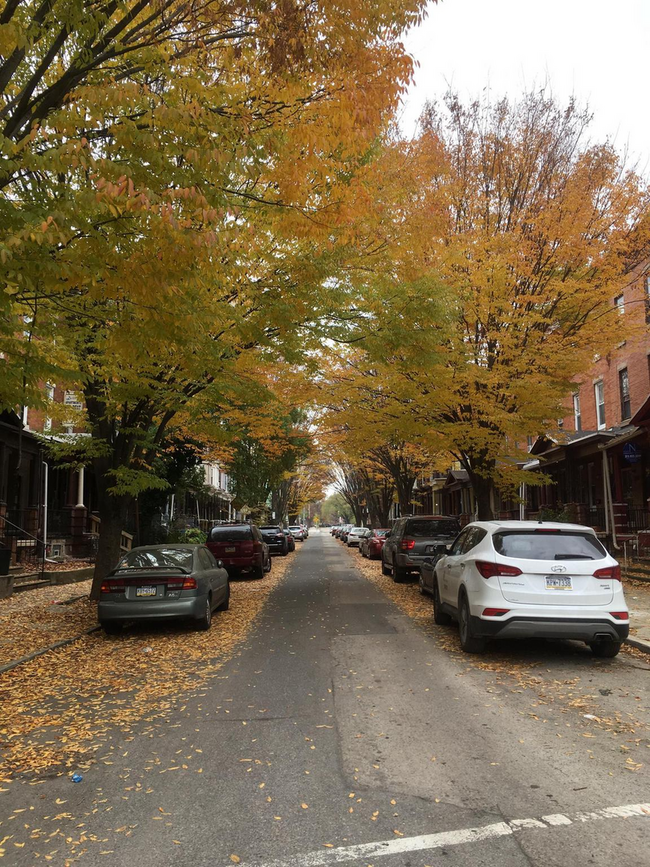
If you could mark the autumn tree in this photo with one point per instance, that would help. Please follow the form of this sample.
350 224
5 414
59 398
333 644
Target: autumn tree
533 228
177 179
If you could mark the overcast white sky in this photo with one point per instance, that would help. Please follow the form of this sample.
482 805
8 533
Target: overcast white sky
597 50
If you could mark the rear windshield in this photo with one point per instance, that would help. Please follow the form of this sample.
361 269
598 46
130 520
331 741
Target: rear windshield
271 531
230 534
357 531
159 558
432 528
380 533
295 528
548 545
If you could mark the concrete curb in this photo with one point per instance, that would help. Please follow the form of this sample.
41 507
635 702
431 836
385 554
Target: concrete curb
639 643
43 650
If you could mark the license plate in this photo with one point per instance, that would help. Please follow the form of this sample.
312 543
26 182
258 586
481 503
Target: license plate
554 582
230 550
145 591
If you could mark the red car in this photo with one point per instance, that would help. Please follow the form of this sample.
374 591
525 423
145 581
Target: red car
241 548
371 545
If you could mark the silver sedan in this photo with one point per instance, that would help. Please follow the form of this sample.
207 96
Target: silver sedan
162 582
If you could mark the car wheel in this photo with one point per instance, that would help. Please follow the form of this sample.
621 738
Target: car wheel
421 586
469 642
205 622
268 565
258 572
111 628
385 570
399 574
363 553
226 602
605 649
439 616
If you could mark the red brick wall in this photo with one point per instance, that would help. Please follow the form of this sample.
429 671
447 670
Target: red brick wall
633 354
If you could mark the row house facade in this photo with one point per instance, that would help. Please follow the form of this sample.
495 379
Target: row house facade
51 510
598 458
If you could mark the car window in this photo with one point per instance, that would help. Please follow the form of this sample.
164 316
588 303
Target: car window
548 545
204 559
428 528
459 542
230 534
473 538
157 558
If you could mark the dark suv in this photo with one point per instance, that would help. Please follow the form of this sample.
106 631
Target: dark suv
274 537
241 549
413 540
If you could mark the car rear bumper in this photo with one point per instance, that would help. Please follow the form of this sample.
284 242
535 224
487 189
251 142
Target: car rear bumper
150 609
412 561
353 542
580 629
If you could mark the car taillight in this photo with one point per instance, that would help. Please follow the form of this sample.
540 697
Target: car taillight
620 615
408 544
490 570
609 573
189 584
495 612
113 585
246 548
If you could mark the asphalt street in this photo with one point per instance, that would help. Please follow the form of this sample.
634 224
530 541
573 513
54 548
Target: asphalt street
344 732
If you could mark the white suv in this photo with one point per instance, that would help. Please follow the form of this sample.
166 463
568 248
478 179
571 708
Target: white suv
524 579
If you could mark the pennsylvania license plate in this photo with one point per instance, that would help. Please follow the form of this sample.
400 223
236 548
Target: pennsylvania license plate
145 591
230 550
554 582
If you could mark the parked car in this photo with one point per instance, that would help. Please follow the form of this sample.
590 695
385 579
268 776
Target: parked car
370 546
345 529
291 542
305 530
241 548
355 534
162 582
527 579
297 533
274 537
412 540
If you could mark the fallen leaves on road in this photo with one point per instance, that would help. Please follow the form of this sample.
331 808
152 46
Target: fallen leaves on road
57 709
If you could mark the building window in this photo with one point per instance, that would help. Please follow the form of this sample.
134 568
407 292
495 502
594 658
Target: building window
624 389
599 393
49 394
619 303
577 418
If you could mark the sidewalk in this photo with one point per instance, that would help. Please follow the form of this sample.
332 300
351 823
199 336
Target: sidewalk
637 594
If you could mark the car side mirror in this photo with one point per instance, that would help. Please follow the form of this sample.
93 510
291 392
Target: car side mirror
441 550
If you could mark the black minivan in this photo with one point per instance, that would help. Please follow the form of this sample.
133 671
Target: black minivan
413 540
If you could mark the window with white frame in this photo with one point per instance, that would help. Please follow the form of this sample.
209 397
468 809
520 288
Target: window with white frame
619 303
49 394
599 394
577 417
624 389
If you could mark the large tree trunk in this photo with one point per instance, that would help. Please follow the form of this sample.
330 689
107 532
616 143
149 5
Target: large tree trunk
483 488
113 513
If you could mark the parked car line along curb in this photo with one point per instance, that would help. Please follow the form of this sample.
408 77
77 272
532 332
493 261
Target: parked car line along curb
55 646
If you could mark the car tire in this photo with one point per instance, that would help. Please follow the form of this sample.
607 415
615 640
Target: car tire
440 617
258 572
605 649
204 622
225 605
269 565
421 587
399 574
469 642
111 628
385 570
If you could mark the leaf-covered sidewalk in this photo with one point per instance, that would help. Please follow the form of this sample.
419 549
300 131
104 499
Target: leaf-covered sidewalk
58 708
33 620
